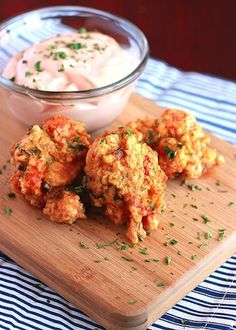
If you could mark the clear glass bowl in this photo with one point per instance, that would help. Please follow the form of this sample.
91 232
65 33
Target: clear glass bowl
96 107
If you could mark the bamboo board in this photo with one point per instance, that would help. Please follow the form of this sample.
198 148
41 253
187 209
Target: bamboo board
120 289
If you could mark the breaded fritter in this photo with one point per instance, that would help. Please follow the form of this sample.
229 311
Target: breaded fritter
124 177
47 157
180 142
183 145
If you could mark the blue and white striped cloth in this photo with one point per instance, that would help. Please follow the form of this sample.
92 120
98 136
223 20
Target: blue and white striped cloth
28 304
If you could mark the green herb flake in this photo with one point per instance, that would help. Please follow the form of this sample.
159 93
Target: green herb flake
193 187
28 73
202 245
143 251
168 260
11 194
75 145
199 236
161 284
127 258
34 151
170 153
152 207
37 66
194 257
151 260
205 218
221 234
7 210
76 46
97 261
102 246
132 302
83 246
123 247
150 137
183 182
62 68
59 54
173 242
208 234
129 132
183 321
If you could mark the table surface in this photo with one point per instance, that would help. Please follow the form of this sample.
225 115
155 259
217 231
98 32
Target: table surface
26 303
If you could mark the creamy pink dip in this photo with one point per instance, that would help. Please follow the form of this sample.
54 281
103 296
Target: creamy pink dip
70 62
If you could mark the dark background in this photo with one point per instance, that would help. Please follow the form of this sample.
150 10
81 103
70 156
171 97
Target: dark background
197 35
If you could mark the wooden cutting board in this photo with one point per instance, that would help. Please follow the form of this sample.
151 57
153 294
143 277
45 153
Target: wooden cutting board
88 265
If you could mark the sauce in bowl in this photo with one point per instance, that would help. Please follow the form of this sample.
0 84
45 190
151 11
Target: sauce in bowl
70 62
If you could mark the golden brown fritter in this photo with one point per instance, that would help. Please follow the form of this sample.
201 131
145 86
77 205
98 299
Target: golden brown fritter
50 156
180 142
183 145
124 176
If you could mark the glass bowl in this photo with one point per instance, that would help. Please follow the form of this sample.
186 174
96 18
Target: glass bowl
95 107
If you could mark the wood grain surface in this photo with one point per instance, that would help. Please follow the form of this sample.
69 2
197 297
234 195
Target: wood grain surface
86 262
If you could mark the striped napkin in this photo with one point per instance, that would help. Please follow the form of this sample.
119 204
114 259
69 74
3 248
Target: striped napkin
28 304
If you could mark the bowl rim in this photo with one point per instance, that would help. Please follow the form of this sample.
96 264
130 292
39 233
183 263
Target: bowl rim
83 94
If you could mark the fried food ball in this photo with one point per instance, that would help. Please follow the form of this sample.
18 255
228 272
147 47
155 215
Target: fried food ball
183 145
180 142
123 176
63 206
47 157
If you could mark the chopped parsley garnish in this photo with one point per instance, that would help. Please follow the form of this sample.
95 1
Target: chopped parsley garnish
205 218
185 181
127 258
129 132
161 284
143 250
199 236
7 210
202 245
208 234
11 194
194 257
170 153
173 241
221 234
97 261
193 187
83 246
123 247
37 66
74 144
102 246
152 207
151 260
132 302
168 260
59 54
150 137
28 73
76 46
